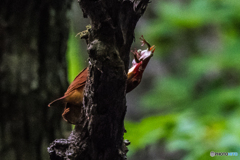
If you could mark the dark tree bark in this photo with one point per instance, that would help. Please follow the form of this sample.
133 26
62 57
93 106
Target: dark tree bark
99 134
33 38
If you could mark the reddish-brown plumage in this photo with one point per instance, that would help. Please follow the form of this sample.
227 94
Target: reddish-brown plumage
78 82
76 86
73 97
134 77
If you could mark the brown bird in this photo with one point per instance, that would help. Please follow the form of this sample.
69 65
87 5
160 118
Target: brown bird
73 97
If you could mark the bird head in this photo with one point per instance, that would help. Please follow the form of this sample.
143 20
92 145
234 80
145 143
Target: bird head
141 59
142 56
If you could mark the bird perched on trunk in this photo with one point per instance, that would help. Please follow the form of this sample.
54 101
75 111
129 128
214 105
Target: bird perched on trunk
73 97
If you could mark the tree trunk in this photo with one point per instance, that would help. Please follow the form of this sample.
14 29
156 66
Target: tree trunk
99 134
33 38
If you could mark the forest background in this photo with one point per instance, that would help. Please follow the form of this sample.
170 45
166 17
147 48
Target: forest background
188 103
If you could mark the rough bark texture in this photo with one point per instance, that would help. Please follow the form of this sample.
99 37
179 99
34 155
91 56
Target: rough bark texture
33 41
99 134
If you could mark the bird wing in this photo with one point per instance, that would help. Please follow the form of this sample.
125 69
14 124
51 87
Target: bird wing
78 82
61 98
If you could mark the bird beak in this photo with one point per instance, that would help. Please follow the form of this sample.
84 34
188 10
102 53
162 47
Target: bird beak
152 49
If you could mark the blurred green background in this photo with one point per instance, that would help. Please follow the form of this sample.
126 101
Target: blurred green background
188 103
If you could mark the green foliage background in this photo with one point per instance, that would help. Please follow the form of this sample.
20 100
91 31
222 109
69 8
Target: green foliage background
197 101
75 63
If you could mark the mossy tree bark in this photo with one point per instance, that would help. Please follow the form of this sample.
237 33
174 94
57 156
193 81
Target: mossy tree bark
33 42
99 134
